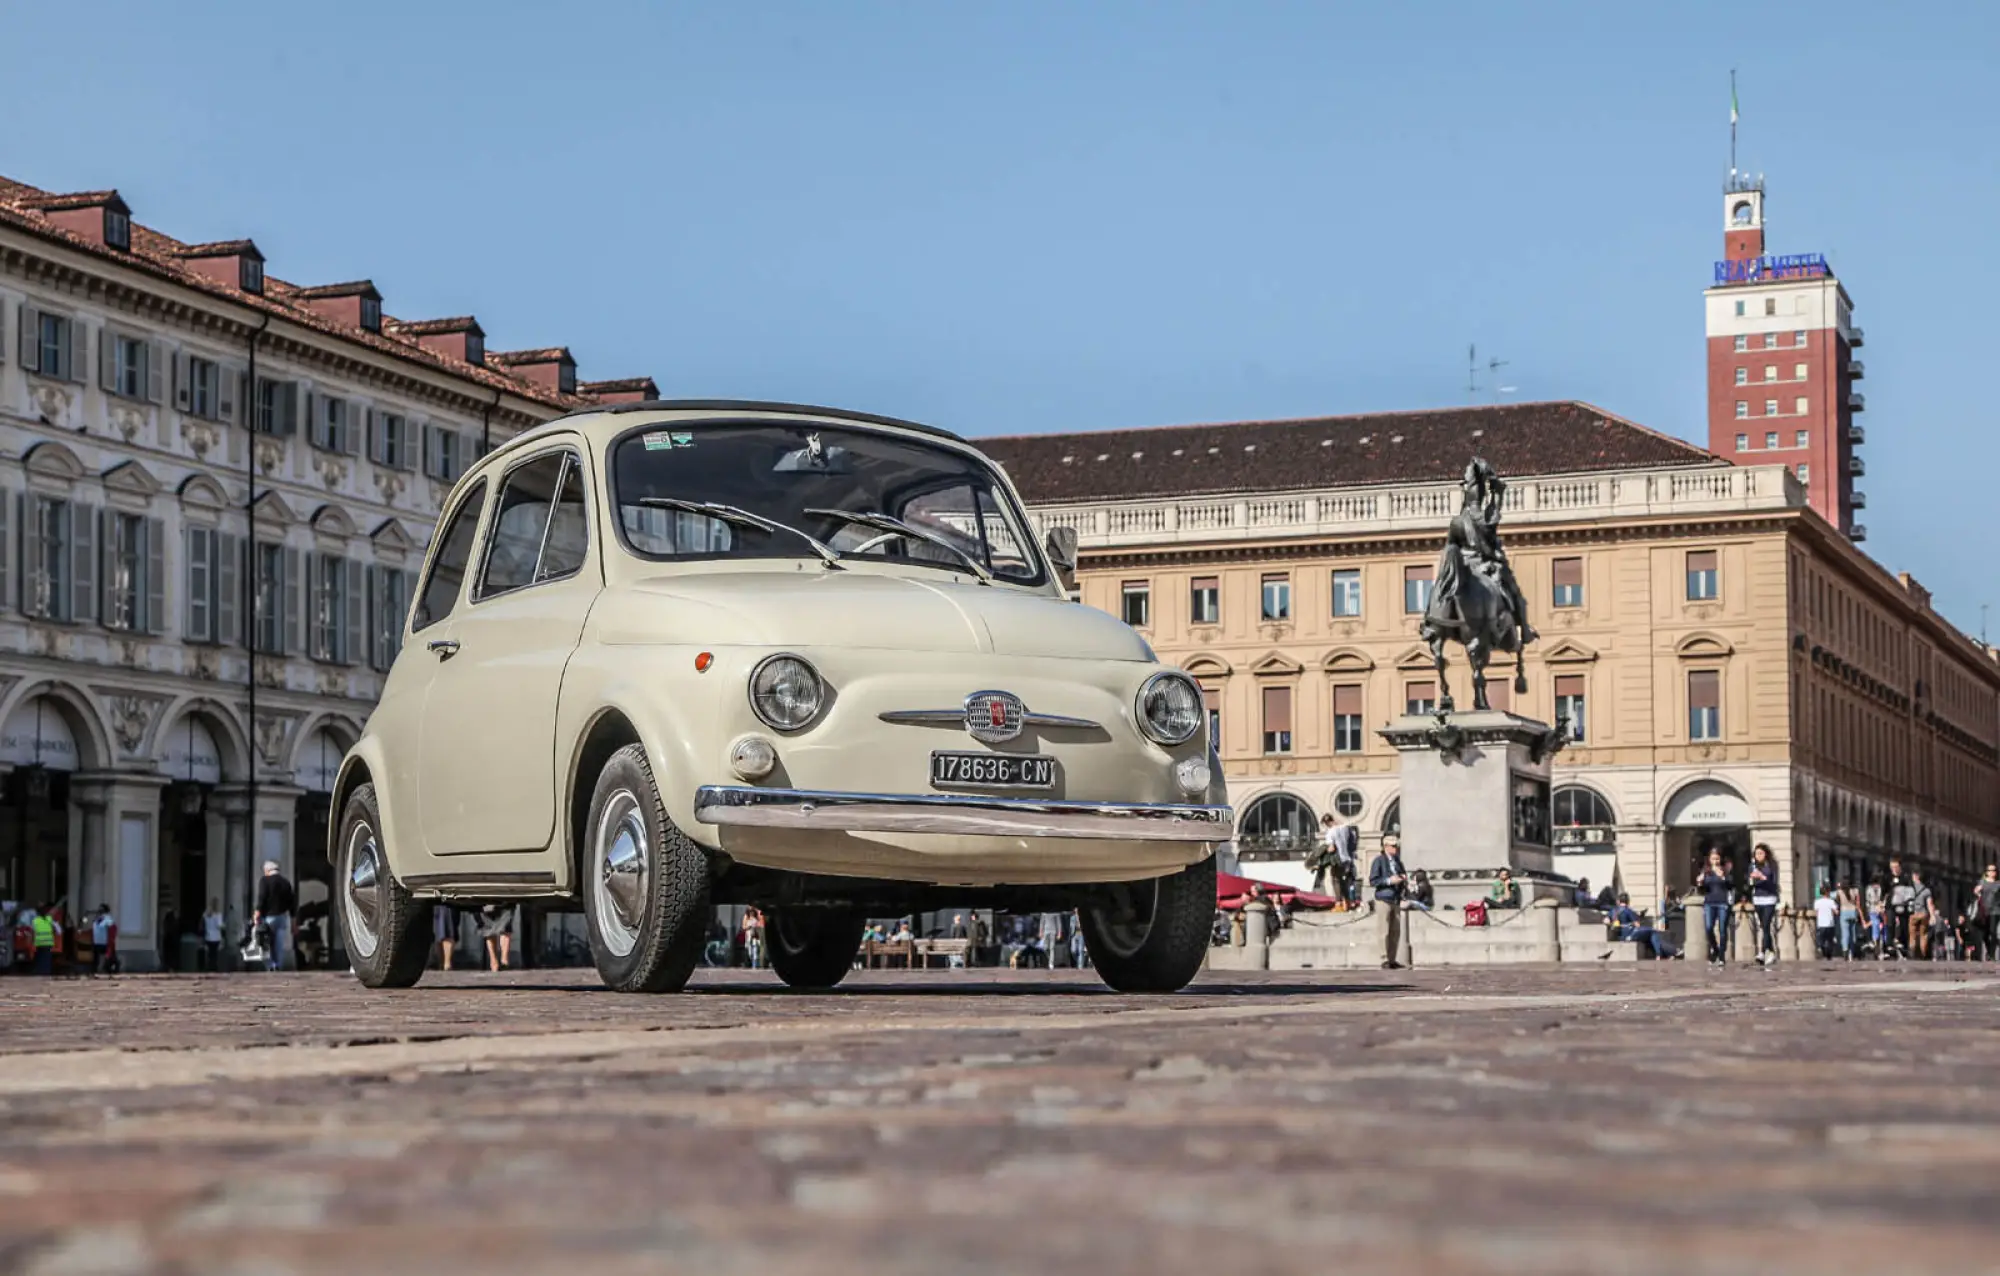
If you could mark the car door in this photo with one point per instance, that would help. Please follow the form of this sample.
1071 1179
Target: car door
488 752
399 717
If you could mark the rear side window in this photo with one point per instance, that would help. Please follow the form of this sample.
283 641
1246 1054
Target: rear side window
447 573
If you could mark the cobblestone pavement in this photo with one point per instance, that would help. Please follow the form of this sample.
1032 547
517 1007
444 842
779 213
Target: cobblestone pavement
1642 1117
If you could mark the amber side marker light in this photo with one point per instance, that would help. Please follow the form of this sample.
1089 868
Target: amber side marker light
703 661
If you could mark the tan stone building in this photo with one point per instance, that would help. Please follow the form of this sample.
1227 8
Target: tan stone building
1734 669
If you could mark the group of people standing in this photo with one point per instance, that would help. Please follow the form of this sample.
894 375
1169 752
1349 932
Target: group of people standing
1897 916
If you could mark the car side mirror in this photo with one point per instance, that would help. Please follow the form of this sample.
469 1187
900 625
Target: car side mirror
1060 546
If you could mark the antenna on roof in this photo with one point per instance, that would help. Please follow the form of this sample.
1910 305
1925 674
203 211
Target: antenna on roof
1493 367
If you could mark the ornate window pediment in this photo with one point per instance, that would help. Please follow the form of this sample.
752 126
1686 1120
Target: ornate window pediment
1703 647
52 466
332 521
1417 658
1206 666
1276 664
130 484
203 493
271 508
1569 652
1348 660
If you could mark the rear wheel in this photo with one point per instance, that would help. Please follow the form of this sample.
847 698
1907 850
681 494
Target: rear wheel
812 947
1152 935
645 891
387 941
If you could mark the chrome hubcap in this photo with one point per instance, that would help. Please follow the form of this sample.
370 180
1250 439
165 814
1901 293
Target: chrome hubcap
1127 919
623 872
364 890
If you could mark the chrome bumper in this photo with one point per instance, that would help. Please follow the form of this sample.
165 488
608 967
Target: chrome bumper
963 814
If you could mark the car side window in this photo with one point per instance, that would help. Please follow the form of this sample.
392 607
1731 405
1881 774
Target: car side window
447 573
538 529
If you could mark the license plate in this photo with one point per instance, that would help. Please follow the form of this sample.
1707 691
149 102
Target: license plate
993 770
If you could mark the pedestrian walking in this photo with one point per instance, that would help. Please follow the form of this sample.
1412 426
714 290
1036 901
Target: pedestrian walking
103 941
1876 900
444 932
1902 906
276 901
1826 923
1715 891
1917 934
1849 900
1388 880
211 937
496 927
1986 912
1764 902
47 936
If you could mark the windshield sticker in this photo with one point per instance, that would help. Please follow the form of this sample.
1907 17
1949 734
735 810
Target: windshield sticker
666 441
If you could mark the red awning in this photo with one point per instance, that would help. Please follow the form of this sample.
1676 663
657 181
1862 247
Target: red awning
1231 891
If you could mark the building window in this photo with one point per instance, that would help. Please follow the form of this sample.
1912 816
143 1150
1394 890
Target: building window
1742 443
213 573
1770 407
1799 338
1568 573
1770 341
336 609
371 314
1420 698
1798 372
1704 705
1742 409
1771 439
1136 603
1211 700
388 608
1805 472
275 626
251 274
1347 719
1799 406
278 407
391 442
444 453
1739 307
51 556
204 388
1770 372
1770 305
1276 826
1742 342
1277 597
129 358
333 427
1205 600
1277 719
54 345
475 348
118 229
1347 593
1582 817
125 572
1417 582
1743 376
1348 803
1701 574
1570 704
1801 438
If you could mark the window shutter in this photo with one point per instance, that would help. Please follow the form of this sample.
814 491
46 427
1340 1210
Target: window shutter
28 508
1347 700
374 602
1277 708
430 449
294 603
156 372
297 403
7 507
82 606
1569 684
79 352
228 585
3 334
1569 571
371 426
354 618
408 445
156 577
194 608
31 338
107 356
228 385
350 428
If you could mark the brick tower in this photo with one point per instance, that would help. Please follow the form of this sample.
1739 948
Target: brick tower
1781 365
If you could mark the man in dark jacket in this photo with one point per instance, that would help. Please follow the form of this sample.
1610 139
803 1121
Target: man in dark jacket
276 901
1986 911
1388 880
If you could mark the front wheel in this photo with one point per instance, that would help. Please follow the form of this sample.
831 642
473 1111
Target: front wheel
812 947
1152 935
387 942
645 893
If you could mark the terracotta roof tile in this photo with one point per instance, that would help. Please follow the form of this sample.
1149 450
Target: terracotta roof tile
75 199
352 288
161 255
221 248
431 327
1341 451
547 354
622 385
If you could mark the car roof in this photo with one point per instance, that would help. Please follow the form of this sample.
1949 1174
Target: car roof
717 407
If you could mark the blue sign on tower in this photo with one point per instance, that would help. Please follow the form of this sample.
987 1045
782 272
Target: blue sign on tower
1754 270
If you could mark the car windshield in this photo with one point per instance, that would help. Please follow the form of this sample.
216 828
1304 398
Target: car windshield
807 477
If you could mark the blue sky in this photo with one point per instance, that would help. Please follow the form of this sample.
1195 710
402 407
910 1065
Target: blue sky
1025 216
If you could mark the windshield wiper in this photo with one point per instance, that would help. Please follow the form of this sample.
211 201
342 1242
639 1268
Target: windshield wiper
887 523
744 518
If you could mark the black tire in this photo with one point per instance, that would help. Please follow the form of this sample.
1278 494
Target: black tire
1152 936
812 947
657 947
392 949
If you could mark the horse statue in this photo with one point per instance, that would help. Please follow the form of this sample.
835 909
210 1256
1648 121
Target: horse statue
1475 600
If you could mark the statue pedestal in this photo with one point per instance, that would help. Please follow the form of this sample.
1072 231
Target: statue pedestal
1475 800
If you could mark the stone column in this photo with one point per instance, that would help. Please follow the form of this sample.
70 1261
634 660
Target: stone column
1545 916
1789 942
1696 947
1744 928
1257 918
232 803
91 795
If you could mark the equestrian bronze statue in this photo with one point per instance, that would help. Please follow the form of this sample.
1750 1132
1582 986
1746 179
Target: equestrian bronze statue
1475 601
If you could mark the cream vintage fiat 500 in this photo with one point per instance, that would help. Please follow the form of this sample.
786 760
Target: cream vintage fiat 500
666 656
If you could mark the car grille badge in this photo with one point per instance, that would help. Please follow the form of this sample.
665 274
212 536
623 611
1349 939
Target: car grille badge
994 716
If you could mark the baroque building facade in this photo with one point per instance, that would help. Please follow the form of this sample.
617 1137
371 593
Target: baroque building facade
215 490
1733 668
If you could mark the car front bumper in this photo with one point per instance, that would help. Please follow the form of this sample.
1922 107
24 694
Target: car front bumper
969 815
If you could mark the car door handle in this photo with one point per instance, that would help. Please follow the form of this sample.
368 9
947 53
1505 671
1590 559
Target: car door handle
445 648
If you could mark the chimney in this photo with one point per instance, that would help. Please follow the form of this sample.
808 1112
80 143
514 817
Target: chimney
628 390
355 304
233 263
459 338
99 216
551 368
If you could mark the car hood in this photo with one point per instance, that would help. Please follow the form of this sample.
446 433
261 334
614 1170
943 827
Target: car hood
858 609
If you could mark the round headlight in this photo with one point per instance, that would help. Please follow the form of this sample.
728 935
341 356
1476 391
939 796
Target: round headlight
785 692
1170 708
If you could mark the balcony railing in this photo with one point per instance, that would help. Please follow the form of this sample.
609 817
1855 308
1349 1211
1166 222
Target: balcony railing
1857 432
1854 338
1426 507
1856 466
1858 499
1857 400
1856 369
1857 532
